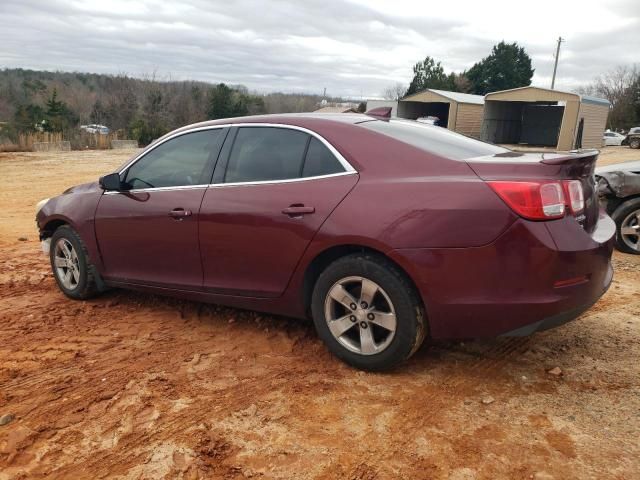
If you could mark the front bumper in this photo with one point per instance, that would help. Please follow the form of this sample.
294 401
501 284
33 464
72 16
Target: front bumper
516 285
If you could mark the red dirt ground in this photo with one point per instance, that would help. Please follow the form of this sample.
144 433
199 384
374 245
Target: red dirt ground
136 386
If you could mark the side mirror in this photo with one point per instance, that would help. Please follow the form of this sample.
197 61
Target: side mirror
111 182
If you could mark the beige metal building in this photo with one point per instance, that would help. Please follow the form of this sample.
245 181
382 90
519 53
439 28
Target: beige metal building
460 112
544 118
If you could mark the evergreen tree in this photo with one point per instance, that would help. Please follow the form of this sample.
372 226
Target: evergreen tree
221 102
507 67
58 115
430 74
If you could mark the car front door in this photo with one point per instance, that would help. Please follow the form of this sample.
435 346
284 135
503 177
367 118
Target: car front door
272 191
608 138
148 234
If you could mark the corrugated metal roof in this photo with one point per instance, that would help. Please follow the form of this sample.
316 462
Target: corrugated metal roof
595 100
583 98
455 96
460 97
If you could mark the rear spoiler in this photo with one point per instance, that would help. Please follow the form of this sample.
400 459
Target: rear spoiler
560 158
380 112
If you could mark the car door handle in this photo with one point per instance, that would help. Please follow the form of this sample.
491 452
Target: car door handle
297 210
179 213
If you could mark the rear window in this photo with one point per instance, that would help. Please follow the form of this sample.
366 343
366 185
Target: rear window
266 153
432 139
320 161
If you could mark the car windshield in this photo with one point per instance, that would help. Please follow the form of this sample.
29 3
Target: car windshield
432 139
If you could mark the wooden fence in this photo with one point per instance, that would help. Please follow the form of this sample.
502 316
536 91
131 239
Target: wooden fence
78 140
26 140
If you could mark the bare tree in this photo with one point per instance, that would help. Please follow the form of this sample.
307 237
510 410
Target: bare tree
620 87
462 83
394 92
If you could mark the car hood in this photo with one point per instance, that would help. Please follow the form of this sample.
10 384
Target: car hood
83 188
633 166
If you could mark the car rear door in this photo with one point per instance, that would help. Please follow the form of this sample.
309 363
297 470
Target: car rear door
274 187
149 233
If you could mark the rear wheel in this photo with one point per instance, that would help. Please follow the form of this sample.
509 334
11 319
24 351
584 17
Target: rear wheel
634 143
70 264
367 312
627 218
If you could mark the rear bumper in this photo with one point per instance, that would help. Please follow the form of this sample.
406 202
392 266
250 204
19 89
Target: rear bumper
535 276
559 318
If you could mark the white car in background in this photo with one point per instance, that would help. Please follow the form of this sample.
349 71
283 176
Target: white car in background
94 128
612 138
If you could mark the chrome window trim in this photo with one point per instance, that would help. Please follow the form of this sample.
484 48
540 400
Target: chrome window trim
158 189
349 170
152 147
343 161
285 180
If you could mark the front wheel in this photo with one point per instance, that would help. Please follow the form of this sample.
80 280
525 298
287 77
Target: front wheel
367 312
634 143
70 264
627 218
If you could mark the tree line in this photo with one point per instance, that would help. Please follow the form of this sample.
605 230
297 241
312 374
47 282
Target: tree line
141 109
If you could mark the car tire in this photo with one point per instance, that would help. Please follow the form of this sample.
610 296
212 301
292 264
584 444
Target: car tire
634 143
70 265
623 216
366 344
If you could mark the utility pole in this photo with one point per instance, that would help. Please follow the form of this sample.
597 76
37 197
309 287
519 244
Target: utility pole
555 65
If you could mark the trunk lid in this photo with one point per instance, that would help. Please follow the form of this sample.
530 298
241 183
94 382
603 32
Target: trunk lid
517 166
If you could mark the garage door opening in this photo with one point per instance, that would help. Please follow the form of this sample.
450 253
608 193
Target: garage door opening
415 110
523 123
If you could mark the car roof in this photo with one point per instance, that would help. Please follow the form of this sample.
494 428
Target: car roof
291 118
295 119
310 121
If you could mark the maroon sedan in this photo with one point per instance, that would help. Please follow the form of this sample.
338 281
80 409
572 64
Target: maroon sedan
384 231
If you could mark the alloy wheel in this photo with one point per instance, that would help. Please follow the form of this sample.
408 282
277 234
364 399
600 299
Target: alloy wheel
360 315
630 230
67 268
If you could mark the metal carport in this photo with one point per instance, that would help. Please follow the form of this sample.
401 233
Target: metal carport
541 117
460 112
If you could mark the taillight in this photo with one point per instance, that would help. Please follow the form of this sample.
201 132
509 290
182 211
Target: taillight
532 200
575 196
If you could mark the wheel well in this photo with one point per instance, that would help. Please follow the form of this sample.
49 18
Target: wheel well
50 227
613 204
325 258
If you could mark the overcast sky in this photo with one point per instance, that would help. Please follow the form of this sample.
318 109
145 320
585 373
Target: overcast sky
353 48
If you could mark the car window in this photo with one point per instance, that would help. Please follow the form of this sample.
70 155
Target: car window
266 153
433 139
181 161
320 160
607 134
